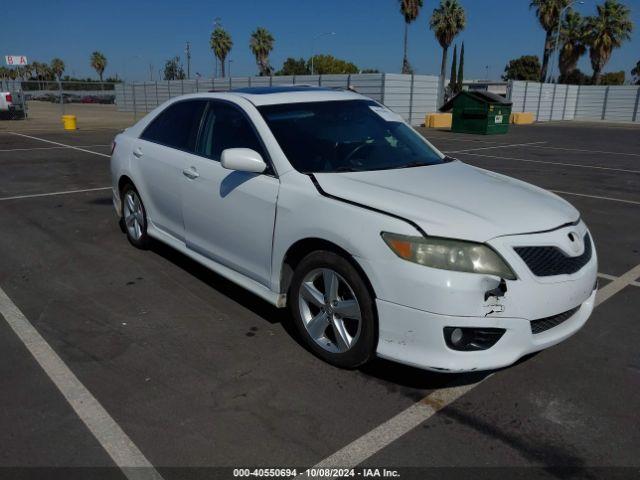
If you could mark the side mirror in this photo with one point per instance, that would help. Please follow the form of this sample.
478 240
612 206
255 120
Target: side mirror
242 160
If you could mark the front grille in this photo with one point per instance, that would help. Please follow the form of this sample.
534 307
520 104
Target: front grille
548 261
544 324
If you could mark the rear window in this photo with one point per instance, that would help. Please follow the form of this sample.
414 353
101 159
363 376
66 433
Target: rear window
177 126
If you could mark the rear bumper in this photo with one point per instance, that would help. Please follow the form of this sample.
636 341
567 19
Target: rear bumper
415 337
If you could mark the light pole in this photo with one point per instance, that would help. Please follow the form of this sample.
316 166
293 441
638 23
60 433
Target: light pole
557 44
187 51
312 45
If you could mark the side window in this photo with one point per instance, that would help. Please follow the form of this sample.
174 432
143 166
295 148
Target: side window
225 126
177 126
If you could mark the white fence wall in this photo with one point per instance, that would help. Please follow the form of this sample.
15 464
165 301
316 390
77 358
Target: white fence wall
568 102
412 96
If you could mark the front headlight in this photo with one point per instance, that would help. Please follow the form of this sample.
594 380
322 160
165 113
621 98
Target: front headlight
447 254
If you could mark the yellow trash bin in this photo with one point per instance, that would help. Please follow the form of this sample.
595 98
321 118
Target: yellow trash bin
69 122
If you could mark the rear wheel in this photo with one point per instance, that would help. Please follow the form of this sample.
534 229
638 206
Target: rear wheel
134 217
333 310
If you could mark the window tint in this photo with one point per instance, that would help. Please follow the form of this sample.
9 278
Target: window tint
346 136
225 126
177 126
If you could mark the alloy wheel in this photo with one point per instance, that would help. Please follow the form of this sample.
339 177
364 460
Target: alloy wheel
330 310
133 215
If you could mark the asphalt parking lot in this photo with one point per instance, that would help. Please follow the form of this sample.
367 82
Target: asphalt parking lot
115 356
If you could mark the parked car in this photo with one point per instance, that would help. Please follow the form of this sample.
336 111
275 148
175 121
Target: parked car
90 99
328 203
11 105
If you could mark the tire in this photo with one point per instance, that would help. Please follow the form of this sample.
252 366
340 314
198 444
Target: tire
134 217
338 324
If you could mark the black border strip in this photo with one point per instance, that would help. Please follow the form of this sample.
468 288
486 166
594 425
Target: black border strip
366 207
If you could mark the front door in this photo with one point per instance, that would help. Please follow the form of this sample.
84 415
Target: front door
229 215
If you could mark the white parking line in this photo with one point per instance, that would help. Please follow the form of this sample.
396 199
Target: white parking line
60 144
597 197
66 192
595 167
380 437
610 289
104 428
589 151
47 148
613 277
495 146
372 442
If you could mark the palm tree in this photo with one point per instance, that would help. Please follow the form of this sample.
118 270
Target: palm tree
548 13
221 45
446 21
573 43
57 67
261 45
410 10
98 63
606 31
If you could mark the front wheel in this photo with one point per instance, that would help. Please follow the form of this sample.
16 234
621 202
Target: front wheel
333 310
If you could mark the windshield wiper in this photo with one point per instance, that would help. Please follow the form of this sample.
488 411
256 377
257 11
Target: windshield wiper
407 165
343 168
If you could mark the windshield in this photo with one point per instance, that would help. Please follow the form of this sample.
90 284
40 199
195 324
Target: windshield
346 136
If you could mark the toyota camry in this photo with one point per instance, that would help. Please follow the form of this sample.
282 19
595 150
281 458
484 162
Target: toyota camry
327 203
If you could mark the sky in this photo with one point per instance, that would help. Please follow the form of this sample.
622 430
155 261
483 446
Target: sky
135 34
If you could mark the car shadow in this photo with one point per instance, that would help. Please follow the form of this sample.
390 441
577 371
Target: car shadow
234 180
410 381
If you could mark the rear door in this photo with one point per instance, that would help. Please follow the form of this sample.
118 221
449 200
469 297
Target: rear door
228 215
159 158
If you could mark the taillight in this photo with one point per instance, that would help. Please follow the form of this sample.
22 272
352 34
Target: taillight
8 97
113 147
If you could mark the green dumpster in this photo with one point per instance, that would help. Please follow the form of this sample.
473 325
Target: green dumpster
479 112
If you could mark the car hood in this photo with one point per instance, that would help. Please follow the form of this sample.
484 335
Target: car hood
454 200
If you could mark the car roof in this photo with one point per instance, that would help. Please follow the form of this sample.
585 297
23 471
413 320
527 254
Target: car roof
283 94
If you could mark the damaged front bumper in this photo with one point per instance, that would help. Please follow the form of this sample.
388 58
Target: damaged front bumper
416 338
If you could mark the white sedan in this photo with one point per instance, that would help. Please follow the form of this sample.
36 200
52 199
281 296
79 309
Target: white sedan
328 203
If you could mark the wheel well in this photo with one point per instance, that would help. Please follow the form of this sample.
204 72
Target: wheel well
124 180
302 248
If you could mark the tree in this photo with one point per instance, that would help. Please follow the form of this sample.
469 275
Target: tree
572 41
57 67
369 70
453 77
607 30
635 71
446 22
261 45
327 64
526 67
98 63
575 77
291 66
613 78
409 10
461 70
221 45
548 13
173 69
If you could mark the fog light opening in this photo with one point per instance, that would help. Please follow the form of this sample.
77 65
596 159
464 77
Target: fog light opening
466 339
456 336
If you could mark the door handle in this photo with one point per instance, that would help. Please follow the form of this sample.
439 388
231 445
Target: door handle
191 173
137 152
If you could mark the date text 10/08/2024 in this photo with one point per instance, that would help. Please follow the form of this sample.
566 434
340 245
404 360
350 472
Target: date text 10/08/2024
316 473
